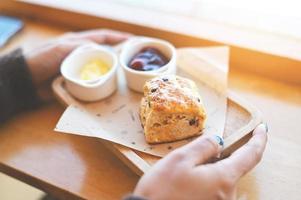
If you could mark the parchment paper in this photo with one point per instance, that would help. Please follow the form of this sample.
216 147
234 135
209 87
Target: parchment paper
116 118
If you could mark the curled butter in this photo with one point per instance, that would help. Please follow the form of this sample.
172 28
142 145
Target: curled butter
94 69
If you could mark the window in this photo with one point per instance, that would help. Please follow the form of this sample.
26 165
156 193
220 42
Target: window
275 16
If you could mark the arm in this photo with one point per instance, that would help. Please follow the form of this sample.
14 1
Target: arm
17 91
25 79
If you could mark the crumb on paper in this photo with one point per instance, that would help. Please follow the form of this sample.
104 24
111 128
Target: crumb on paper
132 115
118 108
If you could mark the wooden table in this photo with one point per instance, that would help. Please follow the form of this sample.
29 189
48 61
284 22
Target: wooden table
73 167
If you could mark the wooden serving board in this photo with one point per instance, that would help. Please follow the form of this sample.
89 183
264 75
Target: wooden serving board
241 119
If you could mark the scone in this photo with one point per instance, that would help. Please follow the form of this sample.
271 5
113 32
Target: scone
171 109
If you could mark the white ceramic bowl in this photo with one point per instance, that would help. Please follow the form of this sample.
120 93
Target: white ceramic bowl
91 90
135 79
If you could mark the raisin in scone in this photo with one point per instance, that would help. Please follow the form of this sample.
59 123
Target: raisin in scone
171 109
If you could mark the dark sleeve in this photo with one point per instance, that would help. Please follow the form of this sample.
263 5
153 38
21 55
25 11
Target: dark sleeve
132 197
17 92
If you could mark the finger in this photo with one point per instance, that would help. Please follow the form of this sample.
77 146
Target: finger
102 36
114 37
248 156
71 45
44 91
201 149
50 64
64 47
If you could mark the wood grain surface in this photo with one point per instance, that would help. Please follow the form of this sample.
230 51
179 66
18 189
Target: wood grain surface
73 167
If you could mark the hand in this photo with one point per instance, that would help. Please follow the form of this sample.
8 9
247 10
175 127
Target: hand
186 174
44 62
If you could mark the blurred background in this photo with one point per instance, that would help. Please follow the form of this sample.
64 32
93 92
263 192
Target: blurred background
275 16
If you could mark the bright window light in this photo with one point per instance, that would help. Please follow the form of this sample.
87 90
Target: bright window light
276 16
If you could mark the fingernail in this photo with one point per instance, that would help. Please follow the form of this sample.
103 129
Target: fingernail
219 140
266 127
261 129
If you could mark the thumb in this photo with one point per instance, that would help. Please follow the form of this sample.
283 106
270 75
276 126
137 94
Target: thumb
248 156
201 150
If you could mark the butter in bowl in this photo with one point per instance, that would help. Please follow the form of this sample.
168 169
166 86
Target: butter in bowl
90 72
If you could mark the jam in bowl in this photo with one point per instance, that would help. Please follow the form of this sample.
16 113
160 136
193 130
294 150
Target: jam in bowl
143 58
148 59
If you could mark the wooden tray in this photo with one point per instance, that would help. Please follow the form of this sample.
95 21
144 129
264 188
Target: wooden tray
241 120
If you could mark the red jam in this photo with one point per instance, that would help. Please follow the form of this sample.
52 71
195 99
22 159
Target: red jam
148 59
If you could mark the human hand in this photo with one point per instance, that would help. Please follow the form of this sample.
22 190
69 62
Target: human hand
186 174
44 62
